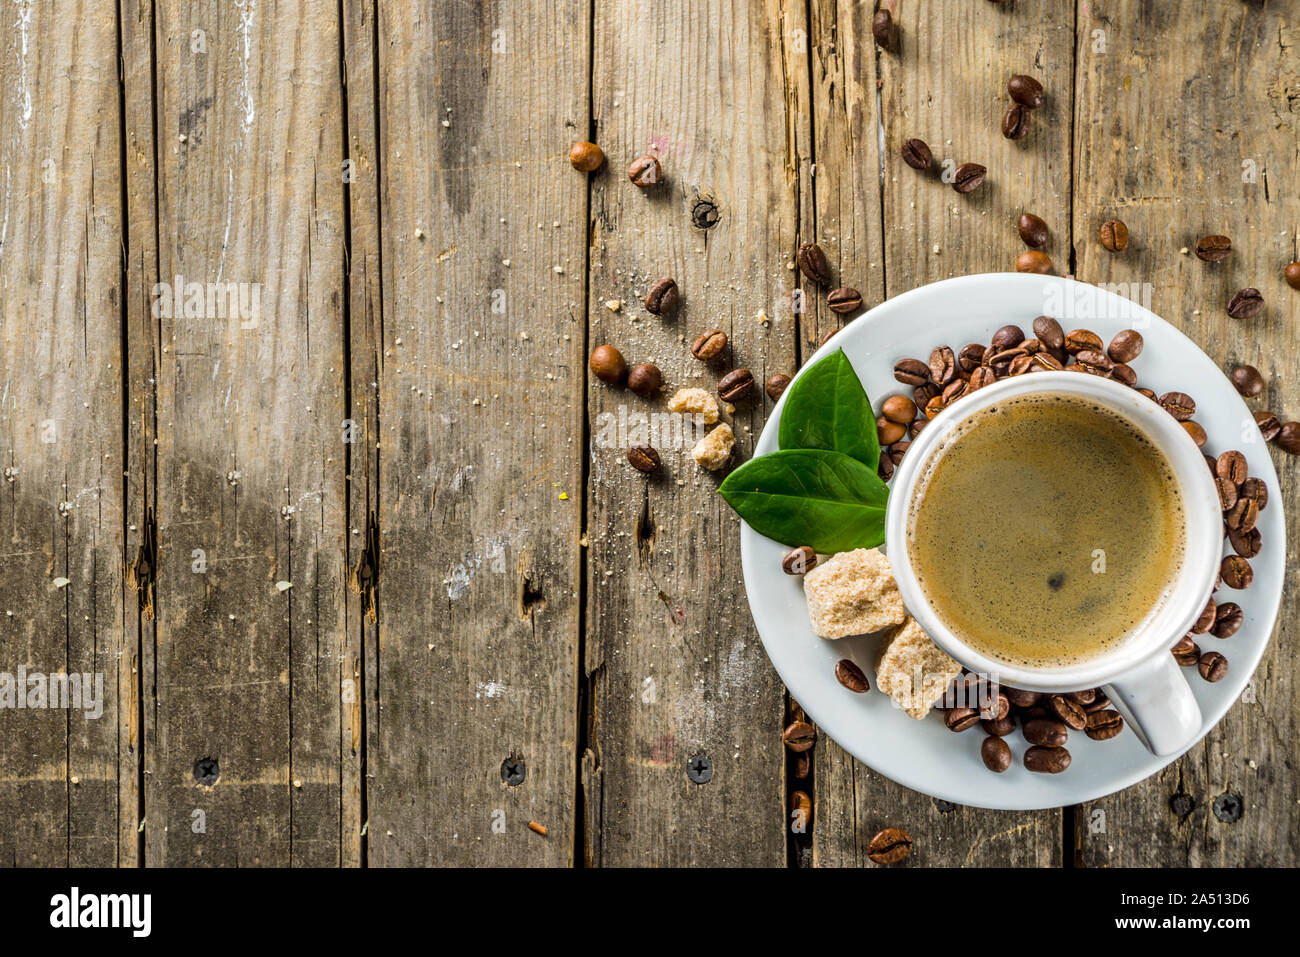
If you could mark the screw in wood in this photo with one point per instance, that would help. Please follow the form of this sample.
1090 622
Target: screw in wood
699 768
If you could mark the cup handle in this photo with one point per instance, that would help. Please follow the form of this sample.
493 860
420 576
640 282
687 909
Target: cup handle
1157 701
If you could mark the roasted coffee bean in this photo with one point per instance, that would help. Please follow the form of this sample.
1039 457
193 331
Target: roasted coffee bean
799 561
586 157
1079 339
1292 274
1212 666
961 719
918 426
736 385
645 171
1015 122
1099 703
800 736
1227 619
889 846
1125 346
776 385
1227 492
996 754
1179 404
1067 710
801 807
1096 362
1047 760
645 379
1242 517
1036 711
900 409
1186 652
1236 572
922 394
1026 91
1000 726
1247 380
826 336
943 365
935 406
643 458
916 154
889 432
1034 260
1008 337
885 468
882 30
970 357
911 372
844 300
1032 346
662 298
1050 334
1246 544
1000 361
1032 229
981 377
1232 466
1104 725
1206 621
709 345
813 264
953 391
1245 304
1021 364
608 365
998 709
1114 235
968 177
802 766
1288 438
1213 249
1046 732
1256 489
1269 425
1021 699
898 450
1124 373
1083 697
851 676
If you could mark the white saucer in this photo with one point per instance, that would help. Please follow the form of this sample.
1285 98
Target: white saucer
925 755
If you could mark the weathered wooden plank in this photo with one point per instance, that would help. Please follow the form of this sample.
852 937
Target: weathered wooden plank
945 84
480 424
63 770
672 659
1169 143
251 450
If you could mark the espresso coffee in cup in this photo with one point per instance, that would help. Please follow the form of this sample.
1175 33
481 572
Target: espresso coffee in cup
1046 530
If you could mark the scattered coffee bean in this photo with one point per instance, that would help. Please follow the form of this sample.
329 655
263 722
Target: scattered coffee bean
1021 699
1124 373
800 809
999 708
1288 438
922 394
1099 703
844 301
736 385
999 726
996 754
643 458
1247 380
826 336
1084 697
802 766
1227 491
709 345
1292 274
645 171
1245 543
1050 334
889 432
1242 517
882 30
943 365
935 406
1232 466
918 426
1186 652
1227 619
776 385
1269 425
851 676
953 391
961 719
1033 231
645 379
1125 346
885 468
1046 732
1236 572
586 157
1178 404
800 736
900 409
608 364
1047 760
889 846
1213 249
1206 621
1008 337
1034 260
1104 725
916 154
1026 91
1015 122
800 560
1212 666
1079 339
813 264
662 298
968 177
1256 489
981 377
1245 304
1095 362
911 372
1114 235
970 357
1068 711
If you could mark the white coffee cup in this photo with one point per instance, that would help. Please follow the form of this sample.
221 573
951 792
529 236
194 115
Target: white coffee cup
1139 675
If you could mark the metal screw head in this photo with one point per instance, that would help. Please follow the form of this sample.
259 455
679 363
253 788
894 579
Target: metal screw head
699 768
1182 804
704 214
206 771
1228 807
513 771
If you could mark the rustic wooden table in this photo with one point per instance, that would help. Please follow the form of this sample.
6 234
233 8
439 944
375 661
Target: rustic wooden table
358 558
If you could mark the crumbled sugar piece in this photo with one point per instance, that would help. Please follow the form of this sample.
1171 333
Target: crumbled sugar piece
853 593
714 449
913 671
695 401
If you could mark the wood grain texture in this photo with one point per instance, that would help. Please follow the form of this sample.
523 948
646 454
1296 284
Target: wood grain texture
63 774
480 452
1163 143
251 453
674 663
946 84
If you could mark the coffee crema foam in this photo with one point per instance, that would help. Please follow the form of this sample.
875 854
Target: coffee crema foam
1046 530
